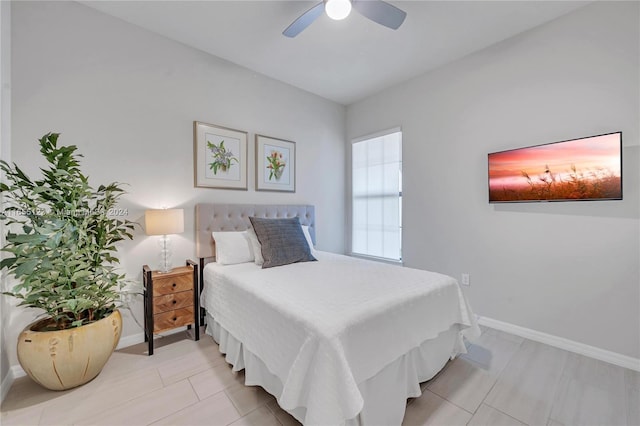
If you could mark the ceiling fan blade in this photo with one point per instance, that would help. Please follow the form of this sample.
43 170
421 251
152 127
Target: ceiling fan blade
381 12
304 20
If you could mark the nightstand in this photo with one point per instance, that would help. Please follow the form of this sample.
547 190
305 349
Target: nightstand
170 300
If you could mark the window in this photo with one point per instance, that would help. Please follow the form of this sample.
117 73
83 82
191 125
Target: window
377 195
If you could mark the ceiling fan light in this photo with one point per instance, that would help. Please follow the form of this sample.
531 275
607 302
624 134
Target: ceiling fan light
337 9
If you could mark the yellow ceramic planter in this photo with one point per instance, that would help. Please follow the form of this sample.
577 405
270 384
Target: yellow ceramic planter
64 359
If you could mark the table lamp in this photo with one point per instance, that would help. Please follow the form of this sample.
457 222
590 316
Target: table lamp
164 222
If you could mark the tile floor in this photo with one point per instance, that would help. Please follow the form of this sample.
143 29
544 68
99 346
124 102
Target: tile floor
502 380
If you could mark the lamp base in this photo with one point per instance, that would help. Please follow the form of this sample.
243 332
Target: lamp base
165 255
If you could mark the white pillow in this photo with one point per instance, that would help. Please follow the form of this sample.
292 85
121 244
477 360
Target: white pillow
255 246
307 235
233 247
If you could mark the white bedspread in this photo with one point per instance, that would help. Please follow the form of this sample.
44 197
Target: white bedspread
323 327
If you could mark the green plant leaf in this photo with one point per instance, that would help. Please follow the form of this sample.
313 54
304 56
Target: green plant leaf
63 257
7 262
25 267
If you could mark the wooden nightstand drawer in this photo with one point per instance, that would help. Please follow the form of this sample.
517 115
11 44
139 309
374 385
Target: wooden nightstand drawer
172 301
173 319
172 284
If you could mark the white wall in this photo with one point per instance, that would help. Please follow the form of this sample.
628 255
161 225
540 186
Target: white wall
128 99
567 269
5 154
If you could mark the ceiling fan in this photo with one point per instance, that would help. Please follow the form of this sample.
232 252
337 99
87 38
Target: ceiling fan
377 10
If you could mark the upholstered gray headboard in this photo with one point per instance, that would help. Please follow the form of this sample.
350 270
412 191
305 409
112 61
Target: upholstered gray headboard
235 217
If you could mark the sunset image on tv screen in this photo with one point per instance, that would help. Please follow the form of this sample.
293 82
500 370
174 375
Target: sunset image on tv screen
579 169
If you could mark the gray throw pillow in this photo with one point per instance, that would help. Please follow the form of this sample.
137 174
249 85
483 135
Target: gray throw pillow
282 241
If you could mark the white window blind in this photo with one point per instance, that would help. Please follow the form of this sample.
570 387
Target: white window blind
377 196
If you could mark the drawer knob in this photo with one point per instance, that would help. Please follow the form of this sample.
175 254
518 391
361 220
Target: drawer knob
174 318
173 285
174 302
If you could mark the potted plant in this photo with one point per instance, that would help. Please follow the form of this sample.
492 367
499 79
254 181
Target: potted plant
62 234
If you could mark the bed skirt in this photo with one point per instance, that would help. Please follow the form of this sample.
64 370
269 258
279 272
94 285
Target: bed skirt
385 394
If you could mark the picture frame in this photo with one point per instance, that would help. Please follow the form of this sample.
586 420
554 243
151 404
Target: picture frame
275 164
220 157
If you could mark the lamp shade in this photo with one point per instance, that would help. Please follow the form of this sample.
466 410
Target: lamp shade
164 222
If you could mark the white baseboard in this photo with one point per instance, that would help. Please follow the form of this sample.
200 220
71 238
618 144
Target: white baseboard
134 339
562 343
15 372
7 381
131 340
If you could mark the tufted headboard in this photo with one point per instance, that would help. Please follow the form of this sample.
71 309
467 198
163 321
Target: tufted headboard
235 217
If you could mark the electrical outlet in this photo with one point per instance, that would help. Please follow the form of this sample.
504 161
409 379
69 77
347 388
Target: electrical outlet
465 279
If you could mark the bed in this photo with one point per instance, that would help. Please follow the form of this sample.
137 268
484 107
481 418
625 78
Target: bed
337 341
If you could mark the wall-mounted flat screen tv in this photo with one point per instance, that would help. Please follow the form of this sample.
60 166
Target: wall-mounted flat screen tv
588 168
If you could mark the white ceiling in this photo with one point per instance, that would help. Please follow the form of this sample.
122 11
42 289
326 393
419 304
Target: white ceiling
343 61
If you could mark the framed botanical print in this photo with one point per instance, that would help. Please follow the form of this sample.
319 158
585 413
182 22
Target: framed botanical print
220 157
275 164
